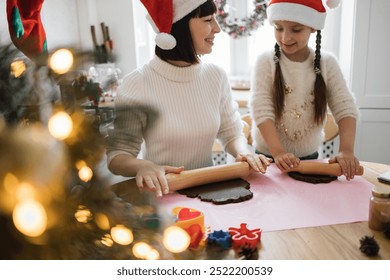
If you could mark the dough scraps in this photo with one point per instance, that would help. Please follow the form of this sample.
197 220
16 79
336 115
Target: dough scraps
231 191
312 178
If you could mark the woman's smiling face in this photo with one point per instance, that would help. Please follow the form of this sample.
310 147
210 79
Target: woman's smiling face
203 32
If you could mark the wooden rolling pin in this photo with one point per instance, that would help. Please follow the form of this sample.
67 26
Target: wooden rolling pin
321 168
207 175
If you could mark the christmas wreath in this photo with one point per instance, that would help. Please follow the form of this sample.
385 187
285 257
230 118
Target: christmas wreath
245 26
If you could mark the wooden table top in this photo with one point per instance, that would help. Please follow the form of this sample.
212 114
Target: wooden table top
334 242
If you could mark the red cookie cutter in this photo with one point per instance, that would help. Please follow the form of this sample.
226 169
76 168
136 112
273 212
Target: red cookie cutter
243 236
192 221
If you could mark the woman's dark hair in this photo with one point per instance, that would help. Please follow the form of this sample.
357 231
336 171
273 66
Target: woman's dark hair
184 49
319 85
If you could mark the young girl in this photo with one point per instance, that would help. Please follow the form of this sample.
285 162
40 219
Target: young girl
176 105
292 87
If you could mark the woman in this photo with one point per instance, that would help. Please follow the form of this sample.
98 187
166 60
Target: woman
176 105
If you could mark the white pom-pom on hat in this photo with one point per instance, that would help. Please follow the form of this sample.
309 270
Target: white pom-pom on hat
332 4
163 13
165 41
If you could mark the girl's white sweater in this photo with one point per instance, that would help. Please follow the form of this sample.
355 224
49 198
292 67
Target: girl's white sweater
297 130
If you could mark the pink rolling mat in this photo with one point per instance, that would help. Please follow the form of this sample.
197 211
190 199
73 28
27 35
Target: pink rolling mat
280 202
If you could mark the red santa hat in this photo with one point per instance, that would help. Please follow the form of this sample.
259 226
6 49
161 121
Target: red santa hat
163 13
25 26
311 13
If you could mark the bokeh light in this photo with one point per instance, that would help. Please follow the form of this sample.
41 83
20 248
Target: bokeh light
153 255
61 61
10 182
102 221
176 239
83 214
85 174
60 125
141 249
18 67
30 218
25 191
122 235
80 164
107 240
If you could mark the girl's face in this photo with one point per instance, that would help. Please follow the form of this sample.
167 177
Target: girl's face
293 38
203 32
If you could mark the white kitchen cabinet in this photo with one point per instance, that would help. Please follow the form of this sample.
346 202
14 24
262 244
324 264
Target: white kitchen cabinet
365 58
373 135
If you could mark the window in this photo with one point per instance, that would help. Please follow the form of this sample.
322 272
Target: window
144 34
237 56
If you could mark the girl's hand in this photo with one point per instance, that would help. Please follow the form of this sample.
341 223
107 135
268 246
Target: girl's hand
348 162
153 178
286 161
256 161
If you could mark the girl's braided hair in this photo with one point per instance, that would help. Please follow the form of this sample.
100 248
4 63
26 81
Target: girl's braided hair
319 85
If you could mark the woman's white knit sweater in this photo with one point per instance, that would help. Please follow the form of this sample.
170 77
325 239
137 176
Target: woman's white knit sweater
297 130
176 113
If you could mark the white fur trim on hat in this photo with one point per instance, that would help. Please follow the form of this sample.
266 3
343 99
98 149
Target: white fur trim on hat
297 13
181 8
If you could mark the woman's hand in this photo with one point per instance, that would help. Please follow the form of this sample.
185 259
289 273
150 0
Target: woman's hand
348 162
257 162
286 161
152 177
